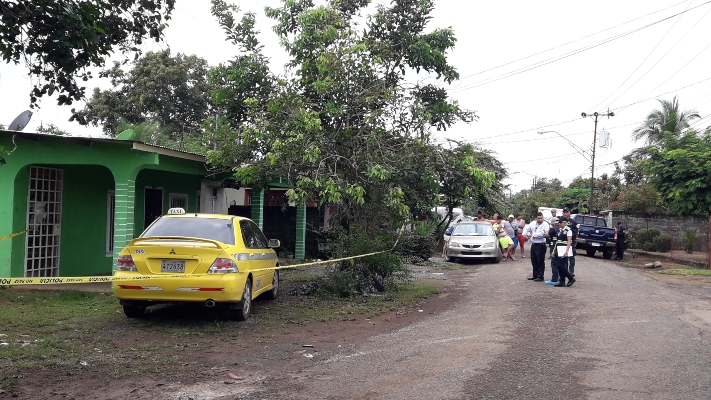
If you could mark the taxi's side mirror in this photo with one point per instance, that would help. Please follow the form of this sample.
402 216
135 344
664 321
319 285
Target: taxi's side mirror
274 243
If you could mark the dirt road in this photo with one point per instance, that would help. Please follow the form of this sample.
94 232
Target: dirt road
616 334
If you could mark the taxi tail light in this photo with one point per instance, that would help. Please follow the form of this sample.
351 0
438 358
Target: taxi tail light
125 263
223 266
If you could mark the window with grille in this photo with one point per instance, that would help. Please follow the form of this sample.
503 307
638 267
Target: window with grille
178 200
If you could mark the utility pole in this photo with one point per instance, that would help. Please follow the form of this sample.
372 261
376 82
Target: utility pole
596 115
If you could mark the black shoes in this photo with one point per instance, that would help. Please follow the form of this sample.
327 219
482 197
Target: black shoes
538 280
531 278
571 282
560 284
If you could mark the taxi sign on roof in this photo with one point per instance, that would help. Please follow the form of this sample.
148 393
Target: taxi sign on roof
176 211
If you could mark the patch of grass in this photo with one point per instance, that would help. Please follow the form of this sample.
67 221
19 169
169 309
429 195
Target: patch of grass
685 271
72 330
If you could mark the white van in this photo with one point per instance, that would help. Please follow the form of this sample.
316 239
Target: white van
547 212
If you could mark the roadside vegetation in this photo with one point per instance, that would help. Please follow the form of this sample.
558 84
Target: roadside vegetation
74 330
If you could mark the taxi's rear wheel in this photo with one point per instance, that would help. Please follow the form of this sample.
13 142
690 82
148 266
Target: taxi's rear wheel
274 292
244 307
134 311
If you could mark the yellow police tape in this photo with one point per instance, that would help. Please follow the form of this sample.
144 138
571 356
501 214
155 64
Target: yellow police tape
12 235
94 279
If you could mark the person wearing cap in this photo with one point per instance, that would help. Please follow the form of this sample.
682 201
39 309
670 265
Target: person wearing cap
552 240
536 233
554 213
563 252
573 228
620 244
511 230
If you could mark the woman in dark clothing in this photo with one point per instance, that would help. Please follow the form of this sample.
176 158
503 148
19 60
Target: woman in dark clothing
563 251
620 241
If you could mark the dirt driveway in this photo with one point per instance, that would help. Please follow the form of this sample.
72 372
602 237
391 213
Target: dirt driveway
618 333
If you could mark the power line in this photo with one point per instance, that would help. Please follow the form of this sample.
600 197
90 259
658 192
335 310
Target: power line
567 43
645 60
657 96
569 54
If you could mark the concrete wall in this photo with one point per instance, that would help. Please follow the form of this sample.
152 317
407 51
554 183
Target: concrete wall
667 224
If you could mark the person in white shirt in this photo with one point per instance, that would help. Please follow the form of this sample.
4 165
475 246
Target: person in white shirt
536 232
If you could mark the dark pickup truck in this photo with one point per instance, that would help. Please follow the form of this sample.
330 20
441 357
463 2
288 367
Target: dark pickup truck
594 235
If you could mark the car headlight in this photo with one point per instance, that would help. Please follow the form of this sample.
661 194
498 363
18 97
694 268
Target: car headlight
489 245
455 244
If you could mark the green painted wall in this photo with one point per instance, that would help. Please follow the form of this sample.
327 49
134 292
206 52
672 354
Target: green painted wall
84 220
171 182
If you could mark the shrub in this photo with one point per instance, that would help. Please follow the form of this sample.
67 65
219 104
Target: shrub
644 239
378 272
662 243
689 240
415 247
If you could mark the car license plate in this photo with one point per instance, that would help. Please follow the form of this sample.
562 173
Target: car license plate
172 266
596 244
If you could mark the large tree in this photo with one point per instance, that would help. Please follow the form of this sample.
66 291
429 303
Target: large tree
681 171
58 40
171 91
668 118
345 124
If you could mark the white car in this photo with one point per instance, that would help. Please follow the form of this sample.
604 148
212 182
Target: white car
473 240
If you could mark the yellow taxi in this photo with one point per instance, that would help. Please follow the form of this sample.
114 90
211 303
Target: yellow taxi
213 259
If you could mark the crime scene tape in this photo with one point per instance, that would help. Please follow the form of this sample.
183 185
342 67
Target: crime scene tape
95 279
12 235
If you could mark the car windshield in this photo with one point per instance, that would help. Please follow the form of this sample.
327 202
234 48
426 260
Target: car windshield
473 230
204 228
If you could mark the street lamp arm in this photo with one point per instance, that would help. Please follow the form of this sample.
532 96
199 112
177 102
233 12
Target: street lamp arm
575 146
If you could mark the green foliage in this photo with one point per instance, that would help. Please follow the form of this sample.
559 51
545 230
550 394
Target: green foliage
637 198
59 40
576 199
341 125
380 271
680 170
52 129
3 154
689 238
643 239
662 243
170 91
418 245
528 205
669 118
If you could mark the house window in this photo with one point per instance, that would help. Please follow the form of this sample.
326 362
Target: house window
178 200
110 218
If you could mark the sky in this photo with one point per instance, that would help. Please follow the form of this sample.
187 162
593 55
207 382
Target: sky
526 67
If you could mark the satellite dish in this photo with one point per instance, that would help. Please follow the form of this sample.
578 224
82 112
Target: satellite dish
21 121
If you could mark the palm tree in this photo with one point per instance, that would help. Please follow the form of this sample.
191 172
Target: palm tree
667 119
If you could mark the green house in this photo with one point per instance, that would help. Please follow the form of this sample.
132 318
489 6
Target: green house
75 202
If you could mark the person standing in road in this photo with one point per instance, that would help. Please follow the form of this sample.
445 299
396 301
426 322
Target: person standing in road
504 239
620 241
551 240
563 254
521 223
574 229
536 233
554 213
512 231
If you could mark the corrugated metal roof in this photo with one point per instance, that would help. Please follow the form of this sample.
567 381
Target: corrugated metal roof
143 146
